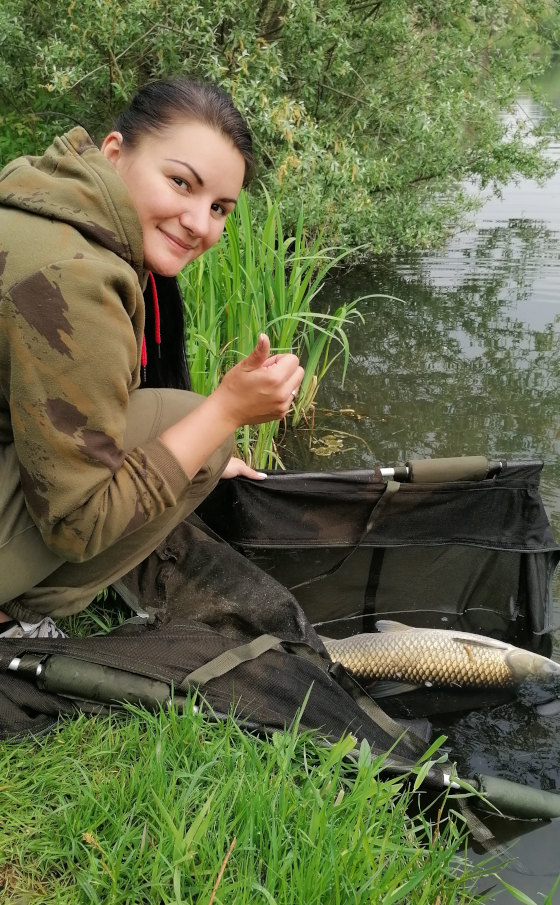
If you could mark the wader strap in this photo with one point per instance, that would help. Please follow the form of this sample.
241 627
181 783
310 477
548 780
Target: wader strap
228 660
390 489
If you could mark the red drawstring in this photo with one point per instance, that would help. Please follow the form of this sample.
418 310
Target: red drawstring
157 327
144 356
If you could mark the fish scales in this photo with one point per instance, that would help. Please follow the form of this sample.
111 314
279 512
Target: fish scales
440 661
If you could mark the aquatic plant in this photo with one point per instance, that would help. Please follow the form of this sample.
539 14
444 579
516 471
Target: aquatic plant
256 280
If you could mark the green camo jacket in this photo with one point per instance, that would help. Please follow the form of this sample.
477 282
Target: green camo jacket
72 320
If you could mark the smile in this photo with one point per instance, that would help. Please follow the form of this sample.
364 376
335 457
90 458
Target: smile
175 242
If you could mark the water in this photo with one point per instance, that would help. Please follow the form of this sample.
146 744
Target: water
463 358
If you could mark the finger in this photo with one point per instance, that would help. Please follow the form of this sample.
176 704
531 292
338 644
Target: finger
260 354
253 473
285 369
296 383
283 361
238 468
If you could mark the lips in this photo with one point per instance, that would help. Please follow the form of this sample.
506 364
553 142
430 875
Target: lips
175 242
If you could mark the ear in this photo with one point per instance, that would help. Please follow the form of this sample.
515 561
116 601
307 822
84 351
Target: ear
111 147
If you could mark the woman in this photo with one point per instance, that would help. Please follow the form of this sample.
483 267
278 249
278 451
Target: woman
103 451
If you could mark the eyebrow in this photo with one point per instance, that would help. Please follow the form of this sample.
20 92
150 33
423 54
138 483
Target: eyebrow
198 178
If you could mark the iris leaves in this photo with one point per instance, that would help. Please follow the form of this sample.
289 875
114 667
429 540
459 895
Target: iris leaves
259 280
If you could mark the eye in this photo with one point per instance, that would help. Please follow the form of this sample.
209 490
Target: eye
180 183
219 209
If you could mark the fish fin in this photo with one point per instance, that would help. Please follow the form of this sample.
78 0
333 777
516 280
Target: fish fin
479 640
389 689
389 625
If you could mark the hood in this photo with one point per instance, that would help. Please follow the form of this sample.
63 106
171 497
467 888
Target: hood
72 182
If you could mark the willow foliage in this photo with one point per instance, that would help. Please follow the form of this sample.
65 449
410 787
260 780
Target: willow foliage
369 113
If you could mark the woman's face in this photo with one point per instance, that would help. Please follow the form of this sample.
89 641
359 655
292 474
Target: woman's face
183 181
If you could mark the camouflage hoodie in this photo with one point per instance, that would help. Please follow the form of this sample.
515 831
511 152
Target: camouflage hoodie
72 320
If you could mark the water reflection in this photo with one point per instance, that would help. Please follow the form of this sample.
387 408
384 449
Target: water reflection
462 357
461 352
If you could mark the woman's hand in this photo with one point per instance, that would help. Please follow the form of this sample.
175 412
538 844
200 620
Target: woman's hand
237 467
260 388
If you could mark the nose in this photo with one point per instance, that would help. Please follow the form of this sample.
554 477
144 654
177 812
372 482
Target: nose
196 219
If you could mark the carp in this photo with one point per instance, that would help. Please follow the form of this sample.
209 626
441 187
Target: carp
441 658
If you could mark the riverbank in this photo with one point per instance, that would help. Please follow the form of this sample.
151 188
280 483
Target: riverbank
148 810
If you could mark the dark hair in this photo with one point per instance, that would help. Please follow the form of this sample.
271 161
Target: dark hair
167 364
162 103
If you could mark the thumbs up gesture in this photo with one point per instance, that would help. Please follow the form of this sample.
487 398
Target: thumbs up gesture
261 387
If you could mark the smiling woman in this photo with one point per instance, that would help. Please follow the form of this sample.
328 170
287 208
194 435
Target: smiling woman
182 199
102 452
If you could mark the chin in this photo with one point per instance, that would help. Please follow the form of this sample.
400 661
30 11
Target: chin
164 268
169 271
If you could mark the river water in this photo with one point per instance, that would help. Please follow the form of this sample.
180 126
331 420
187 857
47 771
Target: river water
463 357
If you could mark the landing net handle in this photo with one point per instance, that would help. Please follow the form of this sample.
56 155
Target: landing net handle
436 471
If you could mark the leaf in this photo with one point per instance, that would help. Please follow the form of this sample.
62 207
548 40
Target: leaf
516 893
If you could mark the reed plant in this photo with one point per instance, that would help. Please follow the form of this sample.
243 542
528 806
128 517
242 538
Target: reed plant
259 280
155 809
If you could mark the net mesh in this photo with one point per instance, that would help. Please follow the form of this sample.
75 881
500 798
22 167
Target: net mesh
477 555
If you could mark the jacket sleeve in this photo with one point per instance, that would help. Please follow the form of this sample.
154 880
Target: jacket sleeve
73 357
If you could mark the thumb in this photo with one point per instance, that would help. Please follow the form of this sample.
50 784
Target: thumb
260 353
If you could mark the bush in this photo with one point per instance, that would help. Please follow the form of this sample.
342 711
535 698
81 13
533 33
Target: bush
370 113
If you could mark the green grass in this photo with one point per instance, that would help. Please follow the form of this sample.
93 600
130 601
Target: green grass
151 809
258 280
